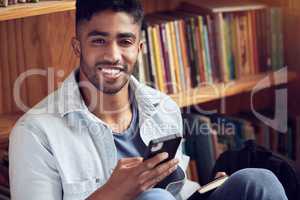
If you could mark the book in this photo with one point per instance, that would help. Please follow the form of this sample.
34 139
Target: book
179 53
151 56
145 58
11 2
212 185
3 3
204 191
166 61
157 58
213 49
193 54
188 47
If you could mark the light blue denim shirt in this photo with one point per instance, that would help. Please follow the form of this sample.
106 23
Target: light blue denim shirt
60 150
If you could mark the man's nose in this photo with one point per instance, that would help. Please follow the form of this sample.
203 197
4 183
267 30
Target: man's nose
112 53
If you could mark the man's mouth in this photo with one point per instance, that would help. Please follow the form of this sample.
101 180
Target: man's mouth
111 72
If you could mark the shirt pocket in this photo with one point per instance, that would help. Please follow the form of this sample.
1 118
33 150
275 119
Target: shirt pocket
81 189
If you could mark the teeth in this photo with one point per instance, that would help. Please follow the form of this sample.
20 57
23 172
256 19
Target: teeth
111 71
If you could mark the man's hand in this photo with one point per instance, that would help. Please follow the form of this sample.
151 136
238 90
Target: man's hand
133 176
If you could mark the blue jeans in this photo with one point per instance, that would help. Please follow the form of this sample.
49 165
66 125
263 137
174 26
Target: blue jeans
156 193
245 184
251 183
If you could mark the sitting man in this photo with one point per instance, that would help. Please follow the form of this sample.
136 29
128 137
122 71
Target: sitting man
86 140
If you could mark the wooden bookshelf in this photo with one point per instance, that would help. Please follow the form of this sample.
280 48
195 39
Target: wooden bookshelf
212 92
22 10
208 6
7 121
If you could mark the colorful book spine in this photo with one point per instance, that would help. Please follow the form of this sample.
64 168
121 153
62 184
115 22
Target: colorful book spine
180 59
3 3
175 56
171 58
196 62
220 37
165 51
198 50
151 55
159 68
145 58
209 75
184 53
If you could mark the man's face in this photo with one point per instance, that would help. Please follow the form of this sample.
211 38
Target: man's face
108 46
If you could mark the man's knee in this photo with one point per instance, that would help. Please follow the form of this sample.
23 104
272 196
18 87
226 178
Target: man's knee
156 193
255 175
258 182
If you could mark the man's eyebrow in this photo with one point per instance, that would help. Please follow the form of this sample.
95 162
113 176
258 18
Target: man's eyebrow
97 33
105 34
126 35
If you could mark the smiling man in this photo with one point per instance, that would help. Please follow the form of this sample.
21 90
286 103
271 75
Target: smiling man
86 140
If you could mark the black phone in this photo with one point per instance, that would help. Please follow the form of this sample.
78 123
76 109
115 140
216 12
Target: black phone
167 144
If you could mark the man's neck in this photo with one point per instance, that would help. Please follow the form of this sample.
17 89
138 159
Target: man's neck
114 110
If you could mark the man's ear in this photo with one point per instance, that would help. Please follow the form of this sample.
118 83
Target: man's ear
76 46
141 46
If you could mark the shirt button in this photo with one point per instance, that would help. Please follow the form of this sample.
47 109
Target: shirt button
97 180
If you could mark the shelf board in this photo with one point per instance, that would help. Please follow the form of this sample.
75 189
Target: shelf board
217 91
21 10
221 6
7 121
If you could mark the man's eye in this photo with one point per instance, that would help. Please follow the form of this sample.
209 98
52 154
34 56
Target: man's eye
126 42
98 41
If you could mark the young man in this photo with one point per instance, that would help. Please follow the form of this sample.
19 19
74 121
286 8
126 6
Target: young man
85 141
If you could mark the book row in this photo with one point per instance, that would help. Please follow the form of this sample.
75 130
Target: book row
5 3
183 49
206 137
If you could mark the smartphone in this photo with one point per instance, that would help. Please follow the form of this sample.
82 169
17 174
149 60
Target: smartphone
167 144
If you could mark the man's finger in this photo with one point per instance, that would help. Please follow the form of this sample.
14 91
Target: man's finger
156 179
152 162
160 170
125 161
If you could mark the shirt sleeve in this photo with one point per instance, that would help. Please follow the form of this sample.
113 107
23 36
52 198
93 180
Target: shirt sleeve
32 169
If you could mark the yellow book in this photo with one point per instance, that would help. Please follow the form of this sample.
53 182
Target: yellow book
171 57
162 68
157 58
180 59
151 53
175 56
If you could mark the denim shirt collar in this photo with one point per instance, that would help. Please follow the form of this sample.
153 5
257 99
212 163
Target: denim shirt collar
70 99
